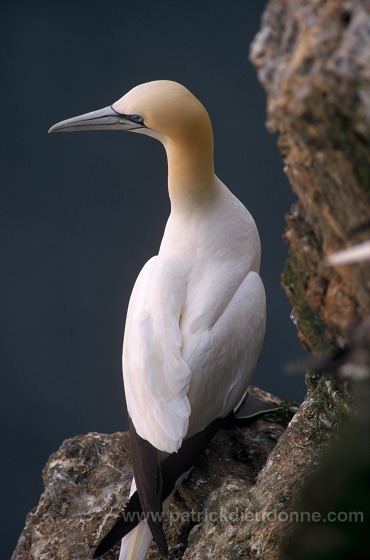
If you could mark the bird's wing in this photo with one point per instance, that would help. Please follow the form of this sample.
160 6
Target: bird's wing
173 375
224 356
156 376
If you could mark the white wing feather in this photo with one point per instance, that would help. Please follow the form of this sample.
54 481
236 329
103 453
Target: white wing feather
156 376
195 324
225 356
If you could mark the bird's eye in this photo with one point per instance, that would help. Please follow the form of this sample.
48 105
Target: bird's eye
137 119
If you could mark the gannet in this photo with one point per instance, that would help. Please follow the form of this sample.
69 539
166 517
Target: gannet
196 318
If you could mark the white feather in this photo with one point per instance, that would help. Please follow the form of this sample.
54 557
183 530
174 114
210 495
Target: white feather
134 546
195 323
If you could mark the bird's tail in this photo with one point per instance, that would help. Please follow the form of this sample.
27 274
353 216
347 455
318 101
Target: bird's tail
137 536
135 545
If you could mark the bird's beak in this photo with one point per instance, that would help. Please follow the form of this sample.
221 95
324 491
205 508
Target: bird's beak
103 119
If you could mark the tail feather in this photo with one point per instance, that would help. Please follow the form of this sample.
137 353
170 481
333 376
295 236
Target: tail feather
173 470
136 543
134 546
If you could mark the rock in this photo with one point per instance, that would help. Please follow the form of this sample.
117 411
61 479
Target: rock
313 59
86 484
253 521
336 498
235 503
88 479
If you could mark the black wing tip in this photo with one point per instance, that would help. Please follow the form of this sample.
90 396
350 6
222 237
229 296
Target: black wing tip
98 552
160 540
101 549
127 520
165 553
111 538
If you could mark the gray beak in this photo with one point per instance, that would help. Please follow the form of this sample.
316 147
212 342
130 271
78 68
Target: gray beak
103 119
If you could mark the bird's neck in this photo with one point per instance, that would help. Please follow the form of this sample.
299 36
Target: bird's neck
190 173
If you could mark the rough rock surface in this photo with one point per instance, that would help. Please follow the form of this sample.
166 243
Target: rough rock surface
88 479
235 504
313 59
254 519
86 484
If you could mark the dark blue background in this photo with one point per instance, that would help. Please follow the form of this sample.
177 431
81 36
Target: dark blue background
81 213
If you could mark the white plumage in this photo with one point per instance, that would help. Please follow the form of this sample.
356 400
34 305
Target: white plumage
195 323
196 318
